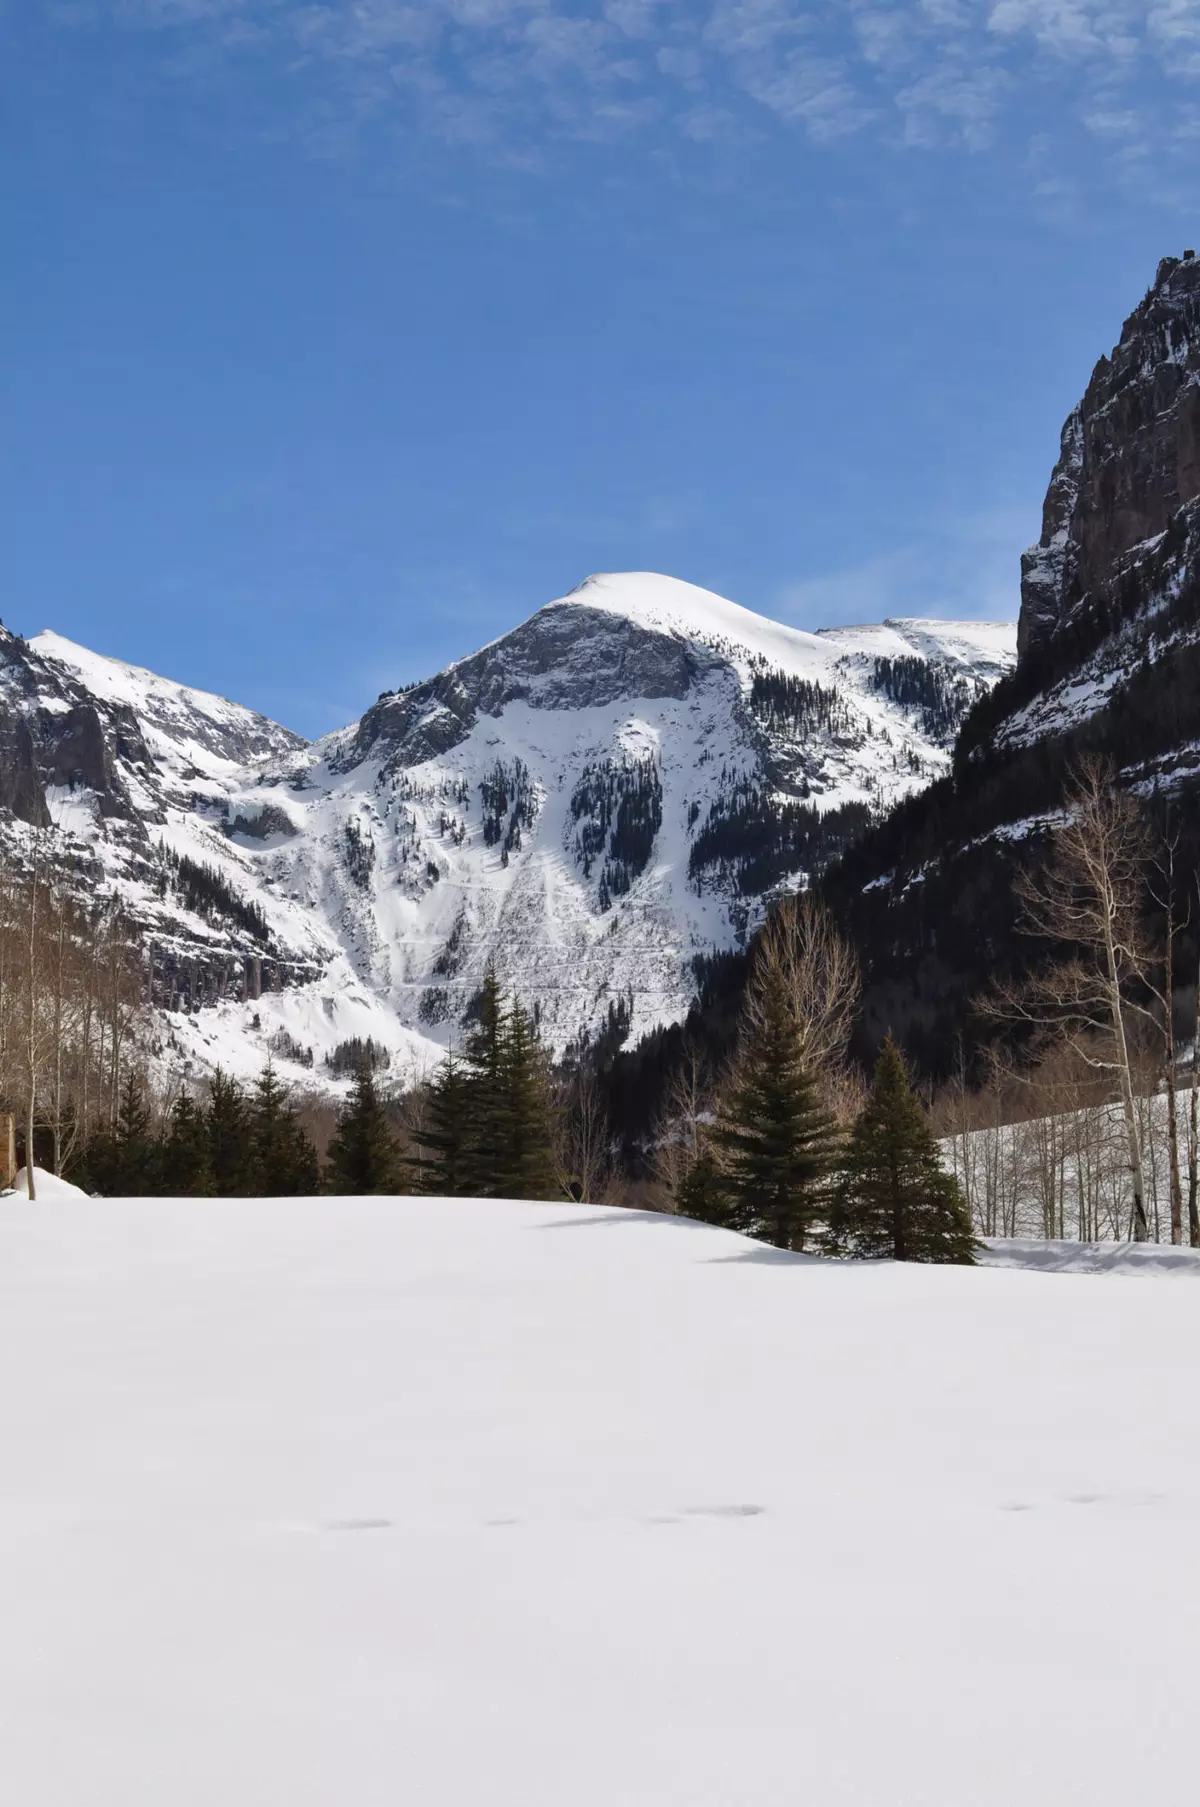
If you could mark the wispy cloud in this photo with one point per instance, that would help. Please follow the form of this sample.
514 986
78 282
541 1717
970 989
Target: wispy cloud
968 570
926 74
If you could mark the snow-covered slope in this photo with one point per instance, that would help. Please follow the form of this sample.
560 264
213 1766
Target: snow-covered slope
348 1502
190 730
595 801
132 774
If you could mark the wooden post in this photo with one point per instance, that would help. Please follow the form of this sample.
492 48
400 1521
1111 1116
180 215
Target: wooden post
8 1149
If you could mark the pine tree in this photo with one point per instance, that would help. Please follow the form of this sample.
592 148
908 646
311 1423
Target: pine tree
773 1140
363 1155
485 1148
702 1192
445 1166
526 1165
226 1119
894 1197
491 1130
282 1160
134 1150
185 1171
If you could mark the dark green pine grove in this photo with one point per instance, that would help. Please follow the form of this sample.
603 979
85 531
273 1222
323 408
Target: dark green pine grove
491 1117
893 1196
234 1145
489 1130
771 1162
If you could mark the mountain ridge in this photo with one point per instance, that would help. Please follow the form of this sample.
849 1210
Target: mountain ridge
595 801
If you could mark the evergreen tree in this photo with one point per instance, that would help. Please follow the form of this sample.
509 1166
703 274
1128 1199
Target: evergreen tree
282 1160
526 1165
702 1192
773 1140
486 1146
894 1197
227 1122
446 1167
363 1155
185 1170
125 1162
491 1118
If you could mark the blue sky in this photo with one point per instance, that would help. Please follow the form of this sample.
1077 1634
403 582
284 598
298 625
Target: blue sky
334 339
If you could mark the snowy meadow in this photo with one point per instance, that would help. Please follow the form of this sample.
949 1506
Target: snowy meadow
378 1499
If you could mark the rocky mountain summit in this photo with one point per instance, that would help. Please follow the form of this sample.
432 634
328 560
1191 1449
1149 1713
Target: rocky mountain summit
598 802
1129 467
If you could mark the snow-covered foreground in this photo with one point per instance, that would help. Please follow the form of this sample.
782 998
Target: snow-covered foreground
1143 1259
357 1502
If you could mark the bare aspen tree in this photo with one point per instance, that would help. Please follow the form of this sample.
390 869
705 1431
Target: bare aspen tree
32 1020
804 957
584 1141
1089 896
955 1117
1193 1130
678 1127
7 979
63 968
1164 893
60 988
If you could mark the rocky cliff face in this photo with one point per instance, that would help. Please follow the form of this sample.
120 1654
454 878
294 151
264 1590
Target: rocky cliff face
1129 463
76 725
1108 664
567 656
54 735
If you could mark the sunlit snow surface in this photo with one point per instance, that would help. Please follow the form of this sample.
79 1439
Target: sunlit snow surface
346 1503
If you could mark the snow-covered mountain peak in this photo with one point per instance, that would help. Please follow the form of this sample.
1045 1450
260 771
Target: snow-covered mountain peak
667 605
212 724
595 802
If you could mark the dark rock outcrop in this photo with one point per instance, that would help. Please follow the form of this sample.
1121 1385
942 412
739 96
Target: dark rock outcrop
1130 459
262 824
21 793
79 750
566 656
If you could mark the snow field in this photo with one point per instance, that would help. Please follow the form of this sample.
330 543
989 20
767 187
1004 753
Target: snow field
1054 1257
360 1501
46 1186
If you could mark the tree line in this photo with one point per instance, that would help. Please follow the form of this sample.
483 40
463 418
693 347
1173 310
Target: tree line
495 1121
